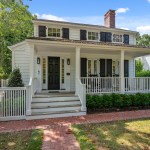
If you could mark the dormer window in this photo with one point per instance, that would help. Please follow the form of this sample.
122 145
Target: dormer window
53 32
117 38
93 36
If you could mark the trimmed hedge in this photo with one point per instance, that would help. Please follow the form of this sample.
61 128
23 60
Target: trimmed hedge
144 73
118 101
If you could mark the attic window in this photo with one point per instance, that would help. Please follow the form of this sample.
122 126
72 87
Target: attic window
117 38
92 35
53 32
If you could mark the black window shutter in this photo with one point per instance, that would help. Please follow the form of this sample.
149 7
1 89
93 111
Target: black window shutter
126 68
83 67
126 39
65 33
108 37
83 35
103 36
102 67
42 31
109 68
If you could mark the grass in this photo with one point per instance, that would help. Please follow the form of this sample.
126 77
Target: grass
24 140
120 135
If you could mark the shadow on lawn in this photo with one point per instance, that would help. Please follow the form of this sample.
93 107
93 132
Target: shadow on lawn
131 135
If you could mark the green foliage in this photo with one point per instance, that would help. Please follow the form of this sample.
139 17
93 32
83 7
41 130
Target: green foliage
15 79
15 26
139 66
143 40
144 73
118 101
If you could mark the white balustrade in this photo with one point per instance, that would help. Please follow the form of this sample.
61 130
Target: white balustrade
137 84
101 84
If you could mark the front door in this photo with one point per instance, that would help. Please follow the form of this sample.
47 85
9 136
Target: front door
53 73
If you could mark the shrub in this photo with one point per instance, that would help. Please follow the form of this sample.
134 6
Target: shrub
118 101
144 73
15 79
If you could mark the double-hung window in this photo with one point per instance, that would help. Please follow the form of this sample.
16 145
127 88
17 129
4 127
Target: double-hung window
53 32
117 38
92 35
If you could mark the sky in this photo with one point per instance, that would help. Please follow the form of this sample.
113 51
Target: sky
130 14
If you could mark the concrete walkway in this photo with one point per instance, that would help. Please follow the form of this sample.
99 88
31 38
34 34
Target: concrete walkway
57 134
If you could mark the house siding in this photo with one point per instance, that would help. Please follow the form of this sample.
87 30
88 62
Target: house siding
21 59
132 68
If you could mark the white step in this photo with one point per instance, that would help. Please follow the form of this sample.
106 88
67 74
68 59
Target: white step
55 104
54 99
62 114
49 110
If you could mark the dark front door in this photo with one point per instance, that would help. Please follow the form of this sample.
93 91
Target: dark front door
53 73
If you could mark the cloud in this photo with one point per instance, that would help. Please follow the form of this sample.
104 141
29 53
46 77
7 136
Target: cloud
143 29
124 28
148 1
122 10
50 17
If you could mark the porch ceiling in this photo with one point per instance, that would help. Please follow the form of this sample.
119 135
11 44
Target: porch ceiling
44 46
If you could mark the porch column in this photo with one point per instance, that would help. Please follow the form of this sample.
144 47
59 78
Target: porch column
122 72
32 61
77 66
29 88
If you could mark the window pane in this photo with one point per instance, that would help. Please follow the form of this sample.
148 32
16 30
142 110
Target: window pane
44 70
95 66
89 66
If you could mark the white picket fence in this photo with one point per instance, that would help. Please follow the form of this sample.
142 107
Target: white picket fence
12 103
4 82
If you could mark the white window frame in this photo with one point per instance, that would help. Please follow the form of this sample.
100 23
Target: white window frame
119 35
95 33
54 36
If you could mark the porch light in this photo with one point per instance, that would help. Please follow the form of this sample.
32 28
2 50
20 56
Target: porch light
38 60
68 61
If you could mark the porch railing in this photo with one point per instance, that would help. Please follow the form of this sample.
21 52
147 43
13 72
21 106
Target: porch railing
81 92
137 84
104 85
101 84
12 103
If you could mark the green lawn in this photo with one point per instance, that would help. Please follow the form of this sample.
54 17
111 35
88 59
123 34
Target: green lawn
120 135
24 140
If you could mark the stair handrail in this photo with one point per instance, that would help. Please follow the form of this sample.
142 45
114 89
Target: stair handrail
81 92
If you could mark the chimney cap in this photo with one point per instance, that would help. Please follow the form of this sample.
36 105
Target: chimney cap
109 11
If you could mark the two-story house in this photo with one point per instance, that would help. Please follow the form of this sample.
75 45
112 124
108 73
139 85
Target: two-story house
80 58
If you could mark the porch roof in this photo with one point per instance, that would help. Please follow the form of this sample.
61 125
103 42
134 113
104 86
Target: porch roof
89 42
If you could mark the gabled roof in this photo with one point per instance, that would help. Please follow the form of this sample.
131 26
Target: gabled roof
81 24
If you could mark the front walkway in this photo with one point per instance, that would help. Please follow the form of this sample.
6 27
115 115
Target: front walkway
57 135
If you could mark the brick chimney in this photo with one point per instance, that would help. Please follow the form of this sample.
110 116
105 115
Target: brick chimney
109 19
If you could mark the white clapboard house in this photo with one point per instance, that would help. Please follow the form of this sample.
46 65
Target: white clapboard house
64 61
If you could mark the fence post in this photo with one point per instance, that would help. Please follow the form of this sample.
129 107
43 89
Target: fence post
28 100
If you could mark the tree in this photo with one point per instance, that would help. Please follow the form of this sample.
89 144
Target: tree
143 40
15 79
15 26
139 66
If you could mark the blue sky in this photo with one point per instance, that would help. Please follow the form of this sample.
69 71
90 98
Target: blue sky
131 14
